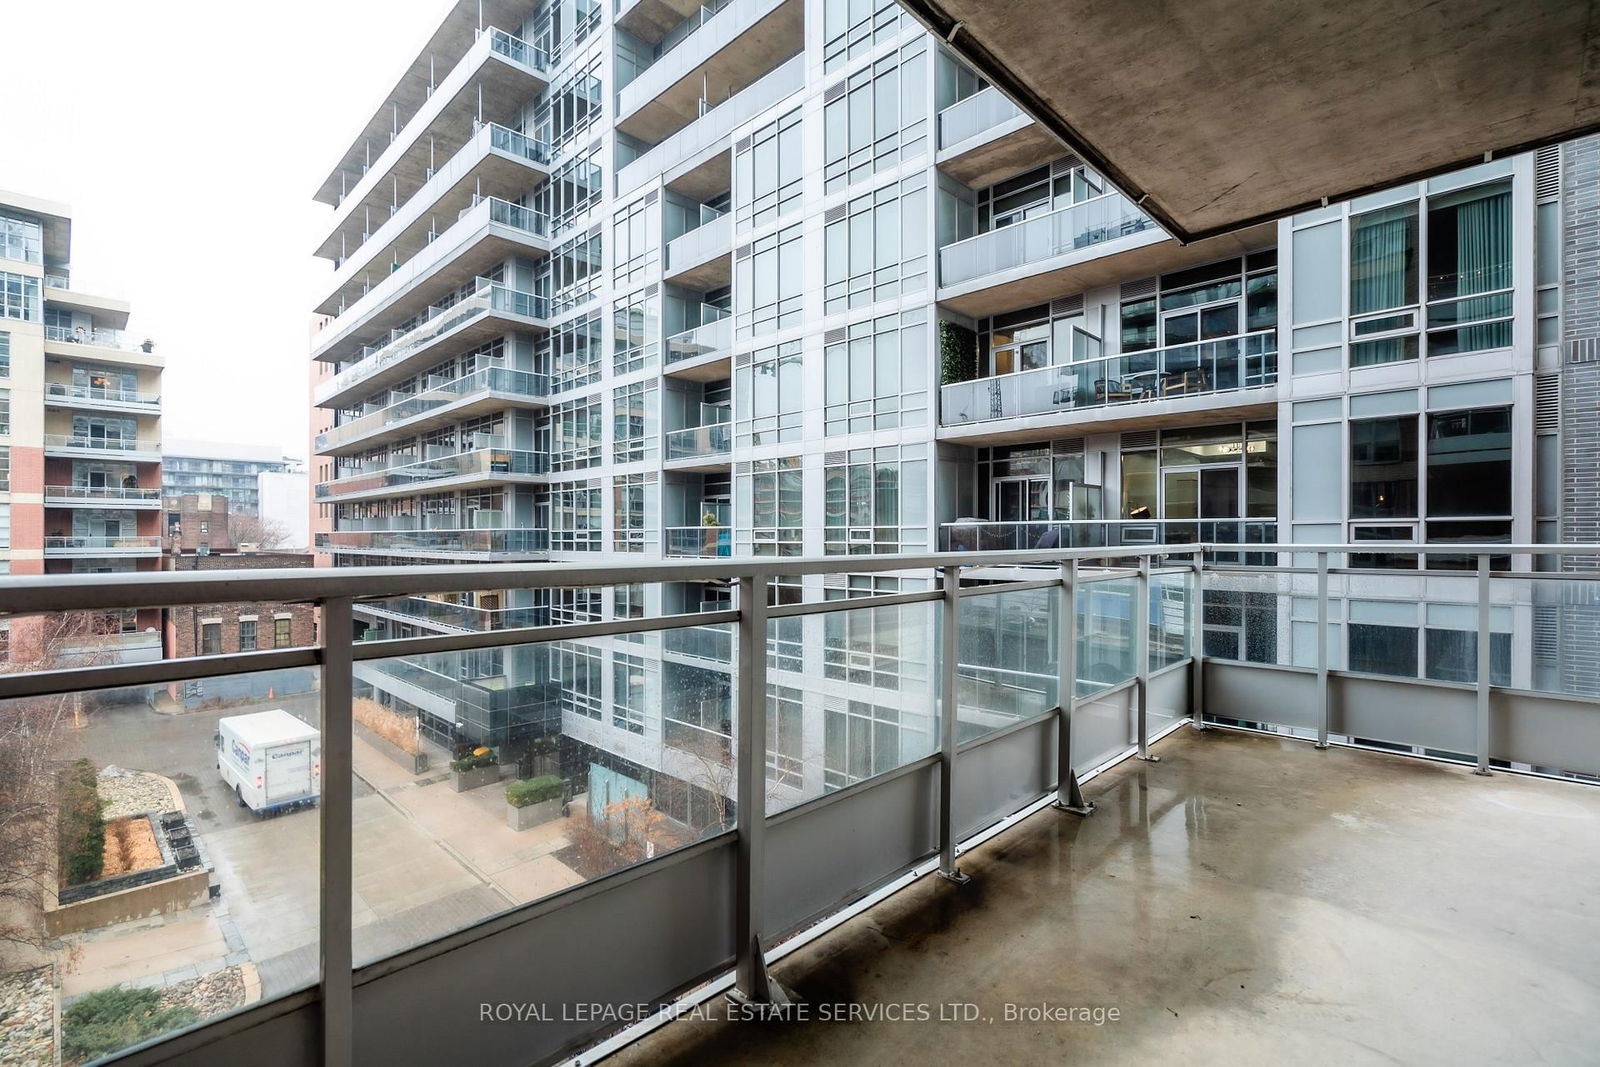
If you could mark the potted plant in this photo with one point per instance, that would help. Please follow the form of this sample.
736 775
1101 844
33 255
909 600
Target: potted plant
474 769
535 801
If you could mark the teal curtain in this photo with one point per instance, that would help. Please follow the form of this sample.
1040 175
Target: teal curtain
1483 245
1383 259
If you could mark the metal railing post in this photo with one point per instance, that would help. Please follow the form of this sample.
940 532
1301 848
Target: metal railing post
1197 673
1322 650
1068 796
338 776
1141 645
751 983
949 652
1484 669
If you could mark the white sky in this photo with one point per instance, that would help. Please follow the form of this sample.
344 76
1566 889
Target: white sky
188 138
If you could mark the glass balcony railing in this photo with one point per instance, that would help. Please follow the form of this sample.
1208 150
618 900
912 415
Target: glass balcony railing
100 494
1069 229
982 535
713 643
109 545
489 380
482 461
517 50
704 242
699 442
100 444
707 339
436 321
458 616
91 394
518 144
697 542
1223 365
968 118
77 335
53 280
464 541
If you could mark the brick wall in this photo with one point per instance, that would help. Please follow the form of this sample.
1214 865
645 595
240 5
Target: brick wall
184 633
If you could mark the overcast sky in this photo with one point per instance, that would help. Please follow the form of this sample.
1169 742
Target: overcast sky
188 138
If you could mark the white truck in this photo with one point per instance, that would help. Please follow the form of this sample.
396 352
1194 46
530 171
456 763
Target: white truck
271 760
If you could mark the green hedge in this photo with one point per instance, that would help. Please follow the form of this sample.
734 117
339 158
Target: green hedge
109 1020
80 826
534 791
472 763
958 353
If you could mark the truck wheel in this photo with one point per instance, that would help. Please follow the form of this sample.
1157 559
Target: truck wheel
238 792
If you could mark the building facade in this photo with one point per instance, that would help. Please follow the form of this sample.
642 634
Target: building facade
80 437
224 469
782 278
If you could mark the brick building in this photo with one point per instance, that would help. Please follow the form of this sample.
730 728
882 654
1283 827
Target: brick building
196 519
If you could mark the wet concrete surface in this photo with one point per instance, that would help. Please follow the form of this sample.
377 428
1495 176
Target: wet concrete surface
1246 900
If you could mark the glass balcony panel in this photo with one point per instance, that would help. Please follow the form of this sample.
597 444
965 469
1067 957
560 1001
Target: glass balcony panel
483 461
489 380
1009 666
968 118
1070 229
1107 646
476 541
699 442
697 541
707 339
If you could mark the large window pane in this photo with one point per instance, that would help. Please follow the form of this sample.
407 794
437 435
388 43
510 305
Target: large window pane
1383 259
1469 463
1383 468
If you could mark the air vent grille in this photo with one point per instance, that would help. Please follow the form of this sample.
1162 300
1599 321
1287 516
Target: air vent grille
1135 290
1066 305
1547 403
1547 172
1139 439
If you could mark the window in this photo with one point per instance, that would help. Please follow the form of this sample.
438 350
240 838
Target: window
634 508
5 527
1469 270
570 106
636 241
636 340
5 354
771 508
572 272
769 282
852 28
769 396
785 736
283 632
867 646
1378 649
572 190
247 635
1469 463
5 411
211 638
573 351
634 422
864 739
627 602
631 685
877 374
879 249
576 668
575 516
876 501
21 238
576 428
767 175
1383 468
879 121
19 297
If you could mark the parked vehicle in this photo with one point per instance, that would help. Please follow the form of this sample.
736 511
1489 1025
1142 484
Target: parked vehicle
271 760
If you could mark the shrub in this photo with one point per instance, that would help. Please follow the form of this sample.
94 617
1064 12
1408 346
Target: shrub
534 791
80 824
958 353
109 1020
397 729
473 761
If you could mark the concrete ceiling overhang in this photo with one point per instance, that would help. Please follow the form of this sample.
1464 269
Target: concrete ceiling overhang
1216 114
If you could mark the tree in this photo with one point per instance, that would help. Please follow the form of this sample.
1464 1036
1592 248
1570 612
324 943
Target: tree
262 532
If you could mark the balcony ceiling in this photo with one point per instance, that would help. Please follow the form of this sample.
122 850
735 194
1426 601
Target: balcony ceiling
1219 114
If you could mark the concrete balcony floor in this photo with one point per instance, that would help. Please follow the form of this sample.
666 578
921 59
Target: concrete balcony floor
1246 900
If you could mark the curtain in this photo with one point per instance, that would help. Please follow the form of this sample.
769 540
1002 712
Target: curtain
1382 253
1483 244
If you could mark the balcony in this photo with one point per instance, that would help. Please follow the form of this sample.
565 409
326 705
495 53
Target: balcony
696 542
702 258
390 915
729 44
1157 383
483 236
708 135
450 617
97 547
105 346
985 535
490 389
985 139
470 469
699 448
495 163
90 398
77 446
442 544
495 77
101 496
491 311
702 353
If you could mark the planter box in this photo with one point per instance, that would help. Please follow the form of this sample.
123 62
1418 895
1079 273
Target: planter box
534 814
461 781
